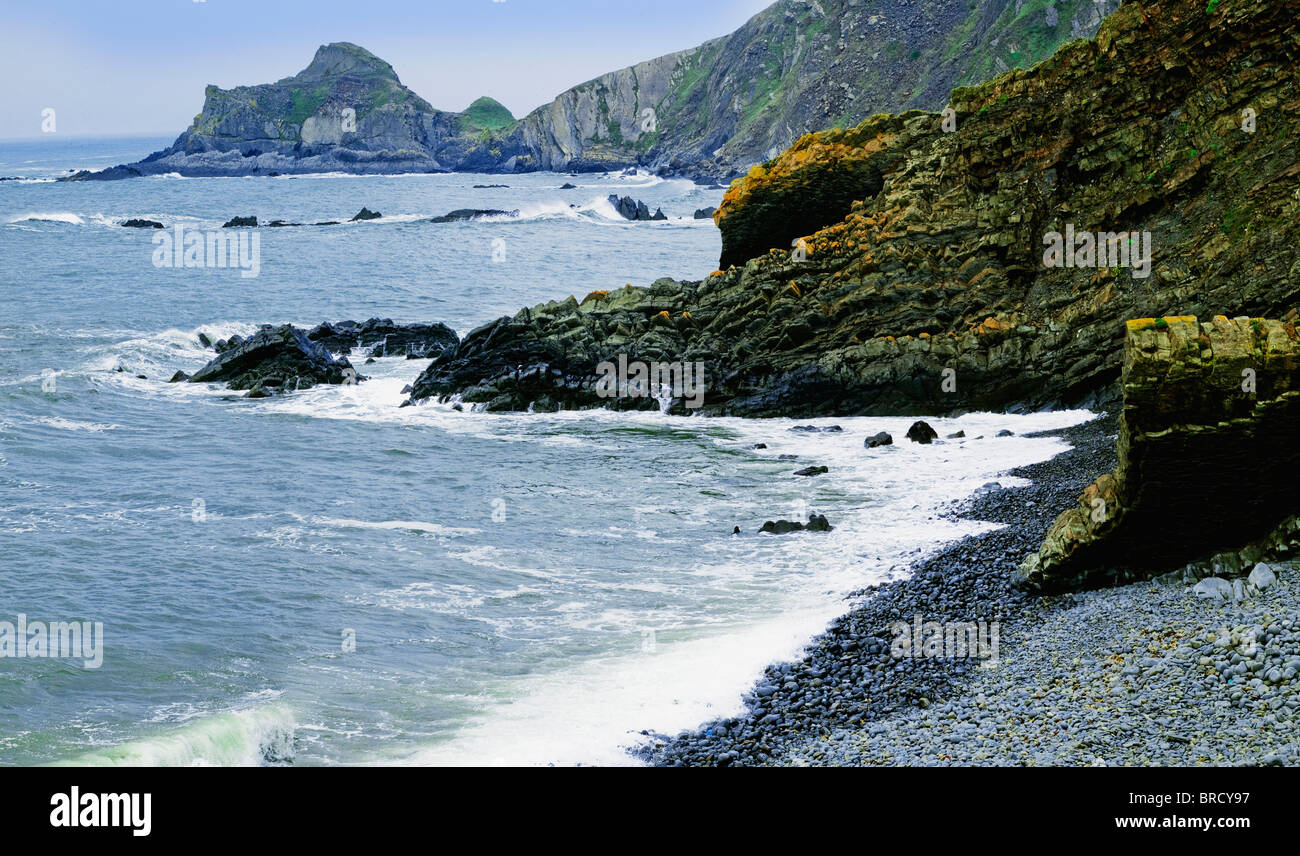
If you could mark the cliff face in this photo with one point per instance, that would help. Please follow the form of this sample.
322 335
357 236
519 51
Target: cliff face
713 110
1207 452
797 66
927 274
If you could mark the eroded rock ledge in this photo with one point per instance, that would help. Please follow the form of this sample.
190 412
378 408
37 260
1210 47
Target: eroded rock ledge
1207 453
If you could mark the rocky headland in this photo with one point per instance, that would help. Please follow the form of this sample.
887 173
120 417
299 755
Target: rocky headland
708 112
906 266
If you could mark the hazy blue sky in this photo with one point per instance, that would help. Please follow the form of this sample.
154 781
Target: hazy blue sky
139 66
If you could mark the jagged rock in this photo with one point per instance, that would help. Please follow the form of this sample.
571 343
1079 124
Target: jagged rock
366 214
957 436
276 356
142 224
568 186
881 439
1204 404
179 377
204 340
705 213
632 209
659 215
239 222
921 432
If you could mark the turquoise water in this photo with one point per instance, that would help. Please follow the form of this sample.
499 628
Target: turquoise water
521 589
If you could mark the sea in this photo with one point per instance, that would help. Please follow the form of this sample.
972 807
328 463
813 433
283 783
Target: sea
326 578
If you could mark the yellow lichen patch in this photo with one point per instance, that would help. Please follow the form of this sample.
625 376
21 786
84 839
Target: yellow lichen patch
595 295
664 315
717 273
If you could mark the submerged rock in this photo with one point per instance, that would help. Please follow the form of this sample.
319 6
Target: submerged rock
812 471
366 214
239 223
142 224
473 214
881 439
816 523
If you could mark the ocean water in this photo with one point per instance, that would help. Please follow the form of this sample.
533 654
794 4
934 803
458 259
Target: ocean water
324 578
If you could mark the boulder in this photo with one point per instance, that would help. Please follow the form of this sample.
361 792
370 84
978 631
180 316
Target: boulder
1261 577
705 213
921 432
142 224
1213 588
366 214
881 439
239 223
812 471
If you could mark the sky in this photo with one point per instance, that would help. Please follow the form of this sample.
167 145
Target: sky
139 67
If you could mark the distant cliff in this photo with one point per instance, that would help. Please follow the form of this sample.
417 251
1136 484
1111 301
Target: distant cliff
711 111
346 112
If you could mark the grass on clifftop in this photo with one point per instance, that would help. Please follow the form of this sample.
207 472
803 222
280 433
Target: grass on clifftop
487 114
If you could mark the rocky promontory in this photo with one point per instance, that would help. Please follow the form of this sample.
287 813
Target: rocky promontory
907 266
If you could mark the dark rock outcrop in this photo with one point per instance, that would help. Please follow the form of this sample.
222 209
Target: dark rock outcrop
366 214
239 223
630 209
142 224
1207 453
816 523
877 440
384 338
281 358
